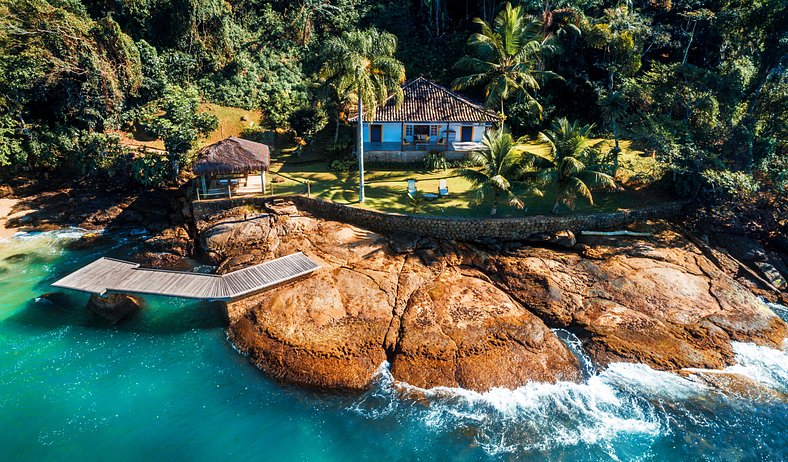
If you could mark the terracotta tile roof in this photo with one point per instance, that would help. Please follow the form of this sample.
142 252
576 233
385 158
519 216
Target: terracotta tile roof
425 101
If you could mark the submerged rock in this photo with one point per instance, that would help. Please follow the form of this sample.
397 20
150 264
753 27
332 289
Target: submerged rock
736 385
56 298
449 314
114 307
17 257
89 241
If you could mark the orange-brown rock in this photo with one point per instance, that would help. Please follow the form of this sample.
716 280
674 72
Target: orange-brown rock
452 314
462 331
334 329
655 300
114 307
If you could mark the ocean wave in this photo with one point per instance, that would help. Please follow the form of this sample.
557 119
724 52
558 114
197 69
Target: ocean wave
762 364
65 233
625 401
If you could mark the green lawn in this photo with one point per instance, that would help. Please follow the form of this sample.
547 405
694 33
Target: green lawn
386 189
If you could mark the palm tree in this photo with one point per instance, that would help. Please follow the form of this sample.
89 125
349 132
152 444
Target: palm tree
502 165
362 64
571 162
308 10
614 106
504 57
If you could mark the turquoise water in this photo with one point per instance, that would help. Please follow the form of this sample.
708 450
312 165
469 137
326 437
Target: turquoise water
167 385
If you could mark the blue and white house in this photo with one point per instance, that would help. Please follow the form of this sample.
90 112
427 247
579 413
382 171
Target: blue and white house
430 118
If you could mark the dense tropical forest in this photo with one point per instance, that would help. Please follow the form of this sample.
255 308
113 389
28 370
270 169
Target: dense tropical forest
702 84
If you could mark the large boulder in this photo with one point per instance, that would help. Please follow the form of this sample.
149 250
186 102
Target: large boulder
114 307
462 331
325 332
369 303
173 240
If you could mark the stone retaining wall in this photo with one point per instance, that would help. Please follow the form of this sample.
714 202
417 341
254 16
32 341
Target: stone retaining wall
462 229
408 157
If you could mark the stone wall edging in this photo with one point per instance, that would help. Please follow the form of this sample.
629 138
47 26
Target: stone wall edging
457 228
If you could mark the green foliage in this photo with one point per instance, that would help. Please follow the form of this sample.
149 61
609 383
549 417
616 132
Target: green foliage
736 185
343 165
435 160
573 164
363 63
704 84
308 121
504 58
259 135
150 168
175 119
341 149
415 202
502 165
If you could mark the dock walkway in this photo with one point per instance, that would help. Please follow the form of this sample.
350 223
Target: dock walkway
107 275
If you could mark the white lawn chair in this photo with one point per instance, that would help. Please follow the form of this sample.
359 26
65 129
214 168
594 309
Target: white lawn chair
411 187
443 190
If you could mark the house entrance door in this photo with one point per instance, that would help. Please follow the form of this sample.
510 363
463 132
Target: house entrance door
376 133
466 134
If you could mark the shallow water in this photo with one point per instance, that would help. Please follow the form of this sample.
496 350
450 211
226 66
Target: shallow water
167 385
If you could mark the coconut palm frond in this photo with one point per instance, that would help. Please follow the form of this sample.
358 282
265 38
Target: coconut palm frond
596 178
578 187
474 176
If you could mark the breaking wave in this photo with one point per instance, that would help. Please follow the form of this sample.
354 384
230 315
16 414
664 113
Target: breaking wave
625 402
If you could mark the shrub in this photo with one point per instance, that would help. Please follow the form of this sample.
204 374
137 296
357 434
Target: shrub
415 202
259 135
339 150
738 185
343 166
435 160
308 121
150 168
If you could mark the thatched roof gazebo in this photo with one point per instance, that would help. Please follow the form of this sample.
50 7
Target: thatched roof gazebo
232 157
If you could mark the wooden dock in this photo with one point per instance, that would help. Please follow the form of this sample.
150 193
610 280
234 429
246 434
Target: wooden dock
107 275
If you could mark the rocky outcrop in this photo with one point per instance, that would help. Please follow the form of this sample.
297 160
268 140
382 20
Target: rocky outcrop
462 331
114 307
657 300
6 191
450 314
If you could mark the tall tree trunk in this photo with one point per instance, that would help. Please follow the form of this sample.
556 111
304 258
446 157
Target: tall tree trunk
689 44
361 150
336 130
617 148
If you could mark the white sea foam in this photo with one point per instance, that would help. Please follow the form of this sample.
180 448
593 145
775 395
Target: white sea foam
762 364
66 233
631 401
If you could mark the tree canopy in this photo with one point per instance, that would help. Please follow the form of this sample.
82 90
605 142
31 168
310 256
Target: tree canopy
703 84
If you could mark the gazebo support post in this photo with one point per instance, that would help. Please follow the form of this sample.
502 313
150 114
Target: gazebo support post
204 188
262 175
